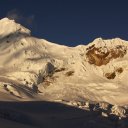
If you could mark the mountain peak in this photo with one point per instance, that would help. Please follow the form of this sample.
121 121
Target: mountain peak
9 27
100 42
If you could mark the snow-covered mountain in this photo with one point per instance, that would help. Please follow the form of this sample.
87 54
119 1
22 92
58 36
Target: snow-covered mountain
32 68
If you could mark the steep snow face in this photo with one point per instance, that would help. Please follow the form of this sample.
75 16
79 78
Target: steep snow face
35 68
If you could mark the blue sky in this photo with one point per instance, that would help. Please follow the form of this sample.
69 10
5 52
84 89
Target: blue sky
70 22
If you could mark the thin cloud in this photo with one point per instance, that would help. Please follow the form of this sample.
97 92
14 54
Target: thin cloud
29 20
18 17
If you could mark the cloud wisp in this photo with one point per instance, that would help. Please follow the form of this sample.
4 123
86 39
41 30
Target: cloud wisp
18 17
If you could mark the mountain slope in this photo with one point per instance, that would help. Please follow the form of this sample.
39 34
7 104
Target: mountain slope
35 69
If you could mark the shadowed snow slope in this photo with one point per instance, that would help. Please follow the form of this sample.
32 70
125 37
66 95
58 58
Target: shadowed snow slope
35 69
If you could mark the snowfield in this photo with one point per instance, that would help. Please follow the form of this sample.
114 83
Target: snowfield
33 69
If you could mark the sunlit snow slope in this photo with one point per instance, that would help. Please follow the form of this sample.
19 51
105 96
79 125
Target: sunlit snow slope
32 68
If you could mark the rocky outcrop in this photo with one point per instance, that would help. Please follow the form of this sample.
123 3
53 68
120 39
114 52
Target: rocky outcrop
103 55
112 75
118 111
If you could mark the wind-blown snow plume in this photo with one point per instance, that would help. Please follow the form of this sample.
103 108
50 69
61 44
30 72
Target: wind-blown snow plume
16 15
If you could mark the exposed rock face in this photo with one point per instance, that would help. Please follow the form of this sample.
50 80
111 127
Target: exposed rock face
119 111
103 55
119 70
102 108
110 75
113 74
104 105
